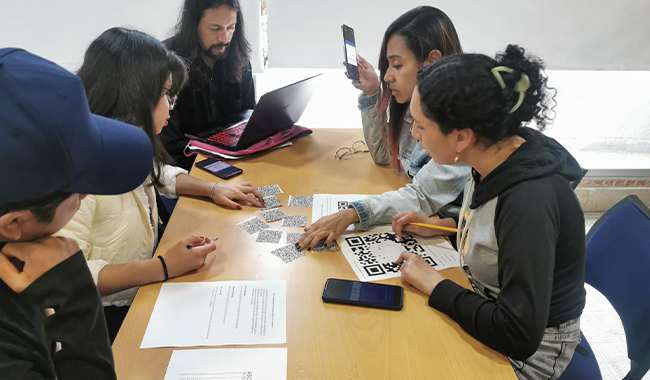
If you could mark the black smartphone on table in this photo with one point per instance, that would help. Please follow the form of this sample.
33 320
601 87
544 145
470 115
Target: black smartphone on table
219 168
350 52
367 294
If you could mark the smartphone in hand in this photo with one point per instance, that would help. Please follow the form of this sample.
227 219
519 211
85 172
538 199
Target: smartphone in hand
350 52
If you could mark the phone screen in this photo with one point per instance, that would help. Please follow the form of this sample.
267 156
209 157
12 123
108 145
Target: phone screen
219 168
350 52
363 293
372 293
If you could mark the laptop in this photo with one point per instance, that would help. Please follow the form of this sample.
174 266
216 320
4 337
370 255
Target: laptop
276 111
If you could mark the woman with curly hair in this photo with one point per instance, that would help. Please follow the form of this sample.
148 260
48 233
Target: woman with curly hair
521 233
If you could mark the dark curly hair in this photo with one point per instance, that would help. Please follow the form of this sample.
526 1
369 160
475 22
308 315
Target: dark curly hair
423 29
460 92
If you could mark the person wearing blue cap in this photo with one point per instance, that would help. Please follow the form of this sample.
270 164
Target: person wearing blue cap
54 151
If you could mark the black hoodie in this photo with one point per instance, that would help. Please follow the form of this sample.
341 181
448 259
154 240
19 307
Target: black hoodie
27 336
524 248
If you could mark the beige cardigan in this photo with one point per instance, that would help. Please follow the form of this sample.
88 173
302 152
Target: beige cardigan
120 229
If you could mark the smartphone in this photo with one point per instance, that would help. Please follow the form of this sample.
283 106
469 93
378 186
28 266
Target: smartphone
219 168
350 52
367 294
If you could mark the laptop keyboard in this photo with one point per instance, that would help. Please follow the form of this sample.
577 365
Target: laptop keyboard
227 137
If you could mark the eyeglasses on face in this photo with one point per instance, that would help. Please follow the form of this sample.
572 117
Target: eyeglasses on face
171 100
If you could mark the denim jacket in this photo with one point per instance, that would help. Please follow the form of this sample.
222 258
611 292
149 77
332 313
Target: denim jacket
433 187
411 155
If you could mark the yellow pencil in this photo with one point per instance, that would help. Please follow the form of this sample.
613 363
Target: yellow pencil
433 226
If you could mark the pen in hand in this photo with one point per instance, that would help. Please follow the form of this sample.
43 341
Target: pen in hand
189 246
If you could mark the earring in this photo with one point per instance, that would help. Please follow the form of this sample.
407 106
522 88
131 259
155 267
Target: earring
456 159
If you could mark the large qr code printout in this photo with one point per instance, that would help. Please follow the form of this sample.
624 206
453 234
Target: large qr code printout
371 255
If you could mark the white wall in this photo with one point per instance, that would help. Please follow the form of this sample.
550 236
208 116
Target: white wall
568 34
61 30
252 12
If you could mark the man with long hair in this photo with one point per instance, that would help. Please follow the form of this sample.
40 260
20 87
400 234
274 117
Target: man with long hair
210 37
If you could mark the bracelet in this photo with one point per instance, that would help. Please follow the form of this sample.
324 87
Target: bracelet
212 190
164 268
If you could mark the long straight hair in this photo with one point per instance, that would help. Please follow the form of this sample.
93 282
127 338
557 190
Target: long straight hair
423 29
124 72
187 44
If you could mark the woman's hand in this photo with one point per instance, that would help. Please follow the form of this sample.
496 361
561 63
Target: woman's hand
368 80
418 273
180 259
401 225
226 195
328 228
401 228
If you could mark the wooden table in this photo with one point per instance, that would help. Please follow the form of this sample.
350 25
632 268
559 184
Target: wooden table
324 341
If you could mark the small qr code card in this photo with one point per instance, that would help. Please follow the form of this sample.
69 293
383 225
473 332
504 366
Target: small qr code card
272 215
293 237
253 225
271 202
300 201
288 253
294 221
269 236
320 247
270 190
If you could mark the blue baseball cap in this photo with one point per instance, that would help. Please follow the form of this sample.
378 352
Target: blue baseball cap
50 141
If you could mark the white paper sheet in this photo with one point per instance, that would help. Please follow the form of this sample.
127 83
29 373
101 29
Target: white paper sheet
218 313
228 364
328 204
371 254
